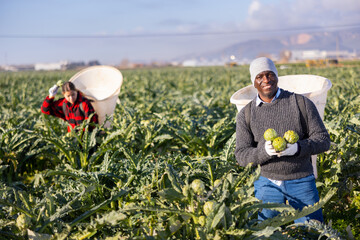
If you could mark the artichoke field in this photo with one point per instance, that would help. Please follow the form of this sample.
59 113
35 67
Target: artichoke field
166 167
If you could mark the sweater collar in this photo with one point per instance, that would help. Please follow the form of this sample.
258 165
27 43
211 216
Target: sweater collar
259 101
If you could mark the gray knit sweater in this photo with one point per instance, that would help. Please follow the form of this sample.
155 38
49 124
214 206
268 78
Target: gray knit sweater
282 114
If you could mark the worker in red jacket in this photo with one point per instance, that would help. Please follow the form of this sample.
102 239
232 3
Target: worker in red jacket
73 107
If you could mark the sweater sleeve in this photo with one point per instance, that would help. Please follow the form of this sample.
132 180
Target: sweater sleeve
88 110
319 138
53 108
247 150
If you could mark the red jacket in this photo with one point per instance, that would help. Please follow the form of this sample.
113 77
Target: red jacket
73 113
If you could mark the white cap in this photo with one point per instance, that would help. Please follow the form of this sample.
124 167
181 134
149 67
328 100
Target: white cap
260 65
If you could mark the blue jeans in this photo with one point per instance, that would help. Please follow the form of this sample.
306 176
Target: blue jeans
299 193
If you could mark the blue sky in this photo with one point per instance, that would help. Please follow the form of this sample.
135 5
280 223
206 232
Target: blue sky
110 31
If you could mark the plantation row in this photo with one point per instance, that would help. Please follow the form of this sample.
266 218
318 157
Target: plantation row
172 126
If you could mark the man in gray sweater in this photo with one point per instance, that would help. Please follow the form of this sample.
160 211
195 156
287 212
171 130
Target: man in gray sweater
286 175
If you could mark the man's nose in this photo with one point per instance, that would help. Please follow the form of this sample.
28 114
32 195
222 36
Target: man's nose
265 78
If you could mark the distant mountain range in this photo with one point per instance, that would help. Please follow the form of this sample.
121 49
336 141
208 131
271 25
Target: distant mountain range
346 40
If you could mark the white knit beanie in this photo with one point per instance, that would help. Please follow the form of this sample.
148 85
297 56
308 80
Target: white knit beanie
260 65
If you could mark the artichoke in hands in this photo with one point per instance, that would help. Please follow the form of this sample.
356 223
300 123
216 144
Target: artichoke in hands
60 83
270 134
291 136
279 144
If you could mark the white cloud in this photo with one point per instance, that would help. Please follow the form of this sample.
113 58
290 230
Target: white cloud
343 5
302 13
254 7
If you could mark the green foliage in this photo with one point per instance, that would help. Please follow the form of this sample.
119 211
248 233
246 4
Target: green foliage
134 181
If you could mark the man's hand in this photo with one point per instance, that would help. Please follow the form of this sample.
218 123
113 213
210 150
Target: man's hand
270 150
53 90
289 151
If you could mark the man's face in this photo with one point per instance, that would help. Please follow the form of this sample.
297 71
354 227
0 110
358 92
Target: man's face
266 84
